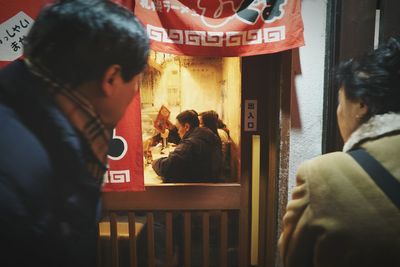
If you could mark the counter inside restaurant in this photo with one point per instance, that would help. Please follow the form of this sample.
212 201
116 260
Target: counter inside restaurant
156 152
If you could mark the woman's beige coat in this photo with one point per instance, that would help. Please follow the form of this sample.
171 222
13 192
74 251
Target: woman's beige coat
338 216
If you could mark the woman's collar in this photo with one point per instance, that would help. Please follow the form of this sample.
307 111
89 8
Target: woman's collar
375 127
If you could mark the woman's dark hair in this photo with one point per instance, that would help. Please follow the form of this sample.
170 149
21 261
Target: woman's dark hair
221 124
210 120
74 41
374 78
189 116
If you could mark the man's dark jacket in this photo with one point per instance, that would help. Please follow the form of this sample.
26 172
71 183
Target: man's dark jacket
48 200
197 158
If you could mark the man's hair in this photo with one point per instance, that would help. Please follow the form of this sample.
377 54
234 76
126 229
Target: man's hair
374 78
188 116
210 120
75 41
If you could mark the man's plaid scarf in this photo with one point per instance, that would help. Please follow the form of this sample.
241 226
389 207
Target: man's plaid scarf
86 121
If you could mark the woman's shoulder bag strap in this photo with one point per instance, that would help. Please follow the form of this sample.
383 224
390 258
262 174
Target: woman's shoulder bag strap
382 177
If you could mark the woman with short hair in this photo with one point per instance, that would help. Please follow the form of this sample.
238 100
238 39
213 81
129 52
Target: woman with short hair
339 214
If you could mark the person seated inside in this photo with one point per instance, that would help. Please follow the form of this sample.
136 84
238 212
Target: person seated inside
211 120
197 157
223 131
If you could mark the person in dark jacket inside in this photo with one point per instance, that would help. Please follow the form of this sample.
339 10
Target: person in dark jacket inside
58 106
210 119
197 158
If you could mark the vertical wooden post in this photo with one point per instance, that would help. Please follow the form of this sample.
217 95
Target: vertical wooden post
132 239
187 238
223 239
169 244
114 239
206 239
150 240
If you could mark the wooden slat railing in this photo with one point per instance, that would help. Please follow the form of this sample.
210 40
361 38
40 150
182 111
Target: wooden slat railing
206 239
114 239
187 238
150 240
132 239
169 239
176 197
206 201
223 239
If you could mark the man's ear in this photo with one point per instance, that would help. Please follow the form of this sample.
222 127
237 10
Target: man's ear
111 78
187 126
363 109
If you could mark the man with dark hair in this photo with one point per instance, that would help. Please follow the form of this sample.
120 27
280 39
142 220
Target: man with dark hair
58 106
197 158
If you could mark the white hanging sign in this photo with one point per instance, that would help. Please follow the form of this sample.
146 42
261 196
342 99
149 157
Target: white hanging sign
250 115
12 34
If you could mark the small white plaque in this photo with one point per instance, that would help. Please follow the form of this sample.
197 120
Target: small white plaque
250 115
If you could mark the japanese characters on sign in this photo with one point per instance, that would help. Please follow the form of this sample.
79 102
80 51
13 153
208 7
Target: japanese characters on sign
222 28
12 34
250 115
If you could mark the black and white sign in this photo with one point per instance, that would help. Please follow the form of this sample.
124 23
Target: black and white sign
250 115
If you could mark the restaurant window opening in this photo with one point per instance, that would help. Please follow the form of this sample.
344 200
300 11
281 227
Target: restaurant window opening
172 84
